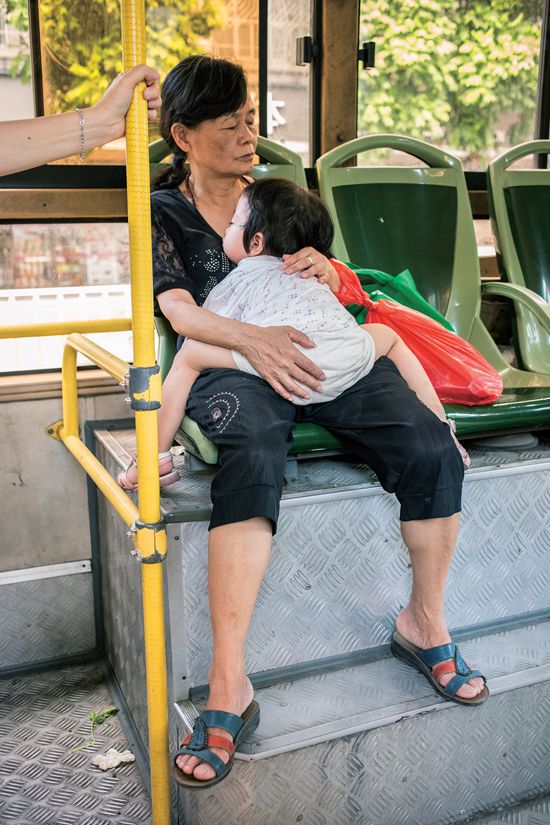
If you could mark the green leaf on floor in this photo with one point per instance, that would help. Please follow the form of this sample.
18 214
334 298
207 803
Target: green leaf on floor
97 719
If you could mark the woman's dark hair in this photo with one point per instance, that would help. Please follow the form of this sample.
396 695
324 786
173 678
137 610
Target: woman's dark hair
288 217
199 88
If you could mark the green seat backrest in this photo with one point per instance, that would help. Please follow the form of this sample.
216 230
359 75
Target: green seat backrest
417 218
167 345
529 210
519 204
378 239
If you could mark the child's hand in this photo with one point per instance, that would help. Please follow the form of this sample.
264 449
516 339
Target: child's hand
311 264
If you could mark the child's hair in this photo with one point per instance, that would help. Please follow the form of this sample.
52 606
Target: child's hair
288 217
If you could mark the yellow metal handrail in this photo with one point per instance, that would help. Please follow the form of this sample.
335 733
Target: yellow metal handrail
65 328
147 526
67 430
149 538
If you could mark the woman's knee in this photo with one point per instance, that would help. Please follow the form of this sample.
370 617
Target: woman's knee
433 457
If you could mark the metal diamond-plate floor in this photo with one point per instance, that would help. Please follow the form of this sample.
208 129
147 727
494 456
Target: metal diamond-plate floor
331 705
42 718
536 812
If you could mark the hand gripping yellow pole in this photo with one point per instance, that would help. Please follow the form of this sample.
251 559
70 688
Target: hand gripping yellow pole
145 388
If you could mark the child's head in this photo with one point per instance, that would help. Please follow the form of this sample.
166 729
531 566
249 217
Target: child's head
274 217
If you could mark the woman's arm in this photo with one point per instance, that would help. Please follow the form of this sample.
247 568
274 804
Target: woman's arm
270 350
28 143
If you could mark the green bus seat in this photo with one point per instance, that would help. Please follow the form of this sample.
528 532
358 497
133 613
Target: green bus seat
519 205
276 161
419 218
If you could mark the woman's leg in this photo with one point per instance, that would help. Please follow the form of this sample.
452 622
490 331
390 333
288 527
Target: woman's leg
250 424
431 545
414 456
233 548
387 342
192 359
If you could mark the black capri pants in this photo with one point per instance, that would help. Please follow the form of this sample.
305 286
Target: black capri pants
388 427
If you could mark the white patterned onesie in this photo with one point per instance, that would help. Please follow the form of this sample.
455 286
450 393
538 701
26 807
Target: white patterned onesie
258 291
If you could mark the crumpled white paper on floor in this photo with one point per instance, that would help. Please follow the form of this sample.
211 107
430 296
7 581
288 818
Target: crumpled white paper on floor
112 759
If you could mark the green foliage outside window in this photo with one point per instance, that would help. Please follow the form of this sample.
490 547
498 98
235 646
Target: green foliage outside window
81 42
448 70
17 16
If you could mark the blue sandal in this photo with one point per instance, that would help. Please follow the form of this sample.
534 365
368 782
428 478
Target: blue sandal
200 742
434 662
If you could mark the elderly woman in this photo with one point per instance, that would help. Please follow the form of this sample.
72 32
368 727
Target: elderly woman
208 120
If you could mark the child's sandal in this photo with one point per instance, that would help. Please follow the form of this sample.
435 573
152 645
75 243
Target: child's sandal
167 474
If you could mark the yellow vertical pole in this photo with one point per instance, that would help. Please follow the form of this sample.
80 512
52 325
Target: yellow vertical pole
70 392
145 387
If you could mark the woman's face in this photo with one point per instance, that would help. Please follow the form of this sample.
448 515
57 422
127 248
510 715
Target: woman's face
225 145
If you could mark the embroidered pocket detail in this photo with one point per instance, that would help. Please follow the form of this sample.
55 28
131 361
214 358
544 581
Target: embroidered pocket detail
223 408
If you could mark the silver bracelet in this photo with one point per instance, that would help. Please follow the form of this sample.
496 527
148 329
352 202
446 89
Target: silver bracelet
82 124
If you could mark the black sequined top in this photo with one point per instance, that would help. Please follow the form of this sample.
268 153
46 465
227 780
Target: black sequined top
187 252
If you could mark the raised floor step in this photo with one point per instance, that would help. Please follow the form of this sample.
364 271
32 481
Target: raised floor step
365 745
370 744
339 572
534 812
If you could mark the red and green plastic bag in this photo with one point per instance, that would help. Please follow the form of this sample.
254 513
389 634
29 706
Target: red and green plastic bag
458 372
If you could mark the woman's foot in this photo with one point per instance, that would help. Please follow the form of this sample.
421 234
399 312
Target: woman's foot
425 635
232 697
128 478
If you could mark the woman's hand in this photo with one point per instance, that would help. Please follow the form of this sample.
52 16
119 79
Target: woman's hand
272 353
116 101
312 264
270 350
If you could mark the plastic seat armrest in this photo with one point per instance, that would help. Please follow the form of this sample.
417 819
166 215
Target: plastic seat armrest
524 296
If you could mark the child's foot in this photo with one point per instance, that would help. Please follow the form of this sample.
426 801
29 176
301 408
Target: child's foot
466 460
128 478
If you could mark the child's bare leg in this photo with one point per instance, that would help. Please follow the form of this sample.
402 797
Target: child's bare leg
387 342
192 359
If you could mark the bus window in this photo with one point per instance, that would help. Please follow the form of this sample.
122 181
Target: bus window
62 272
79 270
16 91
80 44
237 39
462 76
288 85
